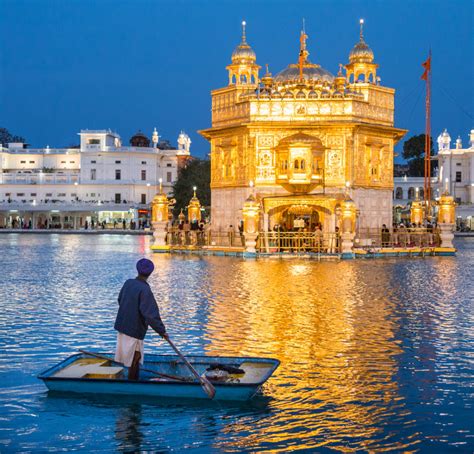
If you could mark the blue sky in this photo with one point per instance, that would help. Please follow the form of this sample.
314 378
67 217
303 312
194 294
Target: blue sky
67 65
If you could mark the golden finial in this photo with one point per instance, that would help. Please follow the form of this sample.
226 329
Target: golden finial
244 37
194 189
361 22
303 52
161 185
266 66
340 70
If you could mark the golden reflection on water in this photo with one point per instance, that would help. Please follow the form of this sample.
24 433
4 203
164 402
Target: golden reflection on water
334 364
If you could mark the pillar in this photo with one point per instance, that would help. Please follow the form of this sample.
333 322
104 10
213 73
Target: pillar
159 222
348 223
446 220
251 212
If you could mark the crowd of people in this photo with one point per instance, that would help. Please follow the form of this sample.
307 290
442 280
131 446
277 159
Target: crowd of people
410 235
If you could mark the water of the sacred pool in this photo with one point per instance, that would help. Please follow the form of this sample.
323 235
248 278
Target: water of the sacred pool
376 355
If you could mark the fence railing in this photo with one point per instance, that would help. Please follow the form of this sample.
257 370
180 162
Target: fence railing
299 242
177 237
303 242
399 237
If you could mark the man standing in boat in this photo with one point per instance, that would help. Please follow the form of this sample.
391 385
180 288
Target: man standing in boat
137 310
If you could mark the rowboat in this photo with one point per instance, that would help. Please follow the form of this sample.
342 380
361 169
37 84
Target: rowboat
234 378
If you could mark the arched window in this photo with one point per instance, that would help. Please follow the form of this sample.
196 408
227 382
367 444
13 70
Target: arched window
296 164
422 193
303 164
411 193
399 193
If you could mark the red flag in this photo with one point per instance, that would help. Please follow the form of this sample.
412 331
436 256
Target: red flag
427 66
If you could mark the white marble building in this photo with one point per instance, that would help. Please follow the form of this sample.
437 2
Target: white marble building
456 167
101 180
455 173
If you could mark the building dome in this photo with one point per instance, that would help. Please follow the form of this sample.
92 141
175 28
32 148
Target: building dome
243 53
311 73
361 52
140 140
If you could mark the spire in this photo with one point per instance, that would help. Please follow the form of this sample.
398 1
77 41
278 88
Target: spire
303 57
244 37
361 22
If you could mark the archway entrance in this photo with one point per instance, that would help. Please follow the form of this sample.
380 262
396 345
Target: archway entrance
299 213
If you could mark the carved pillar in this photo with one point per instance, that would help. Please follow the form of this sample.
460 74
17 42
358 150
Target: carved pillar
348 223
159 222
251 220
446 219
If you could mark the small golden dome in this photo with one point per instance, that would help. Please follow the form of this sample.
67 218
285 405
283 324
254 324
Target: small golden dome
243 53
361 52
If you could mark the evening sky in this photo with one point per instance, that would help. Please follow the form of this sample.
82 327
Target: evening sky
67 65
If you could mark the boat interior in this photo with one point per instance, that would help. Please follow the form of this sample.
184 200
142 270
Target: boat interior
217 370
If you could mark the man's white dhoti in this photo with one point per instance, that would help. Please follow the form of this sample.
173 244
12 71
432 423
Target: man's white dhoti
126 348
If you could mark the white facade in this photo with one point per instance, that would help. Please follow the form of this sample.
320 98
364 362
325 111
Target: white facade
99 175
456 168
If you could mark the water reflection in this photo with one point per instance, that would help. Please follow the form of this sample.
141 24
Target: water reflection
375 355
334 364
127 428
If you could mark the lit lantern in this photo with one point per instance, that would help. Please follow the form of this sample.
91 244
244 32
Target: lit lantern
446 209
416 212
194 208
159 207
250 212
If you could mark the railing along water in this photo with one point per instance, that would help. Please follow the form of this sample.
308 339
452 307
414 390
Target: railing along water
400 237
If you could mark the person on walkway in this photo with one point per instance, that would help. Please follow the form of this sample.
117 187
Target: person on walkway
137 310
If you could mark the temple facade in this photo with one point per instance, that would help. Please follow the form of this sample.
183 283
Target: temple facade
302 142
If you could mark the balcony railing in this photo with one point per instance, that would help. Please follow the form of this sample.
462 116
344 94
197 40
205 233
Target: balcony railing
44 178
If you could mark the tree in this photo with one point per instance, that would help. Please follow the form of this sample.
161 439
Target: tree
196 173
7 137
414 153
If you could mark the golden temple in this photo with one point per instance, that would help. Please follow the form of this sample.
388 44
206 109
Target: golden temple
302 142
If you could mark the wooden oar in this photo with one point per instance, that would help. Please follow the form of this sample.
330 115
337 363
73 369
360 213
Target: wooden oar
205 383
173 377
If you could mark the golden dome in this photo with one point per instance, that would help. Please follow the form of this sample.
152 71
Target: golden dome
243 53
361 52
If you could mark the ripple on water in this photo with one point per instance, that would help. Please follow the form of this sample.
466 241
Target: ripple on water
375 355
